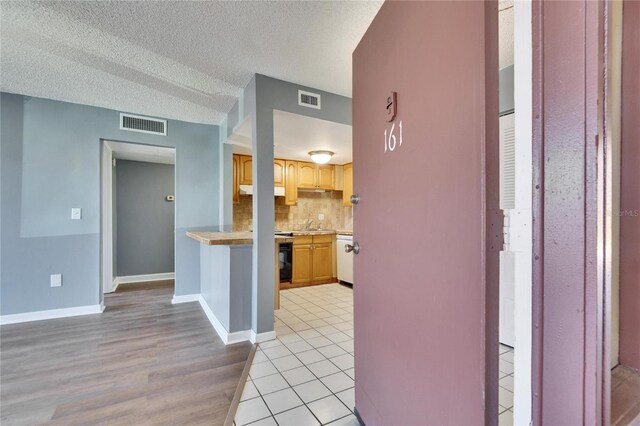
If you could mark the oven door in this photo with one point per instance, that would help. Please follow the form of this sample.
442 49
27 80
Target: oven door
285 260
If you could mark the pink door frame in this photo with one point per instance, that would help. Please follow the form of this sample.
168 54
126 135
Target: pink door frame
570 357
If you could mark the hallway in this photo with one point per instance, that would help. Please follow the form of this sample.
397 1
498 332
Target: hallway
143 361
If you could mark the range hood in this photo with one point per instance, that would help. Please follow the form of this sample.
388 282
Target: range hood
278 191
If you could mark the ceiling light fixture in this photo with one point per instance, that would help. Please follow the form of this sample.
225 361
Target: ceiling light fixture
321 157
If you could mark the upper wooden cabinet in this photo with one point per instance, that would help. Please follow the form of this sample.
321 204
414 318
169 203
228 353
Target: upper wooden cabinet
325 176
347 191
246 172
291 183
306 175
244 164
236 179
311 175
278 172
288 174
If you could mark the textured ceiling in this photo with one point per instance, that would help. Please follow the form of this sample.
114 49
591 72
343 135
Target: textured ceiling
180 59
176 59
295 135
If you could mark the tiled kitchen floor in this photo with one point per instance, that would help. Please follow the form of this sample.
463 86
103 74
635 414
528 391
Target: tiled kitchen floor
306 375
505 391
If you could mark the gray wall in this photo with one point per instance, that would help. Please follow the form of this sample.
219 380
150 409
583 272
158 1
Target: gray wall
506 90
226 284
262 96
145 220
50 162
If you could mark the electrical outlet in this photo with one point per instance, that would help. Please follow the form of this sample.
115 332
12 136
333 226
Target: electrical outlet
321 216
56 280
76 213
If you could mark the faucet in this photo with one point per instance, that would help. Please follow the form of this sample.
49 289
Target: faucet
307 224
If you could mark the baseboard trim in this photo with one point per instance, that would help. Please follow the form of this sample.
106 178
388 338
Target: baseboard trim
140 279
217 325
226 337
185 298
238 336
262 337
51 314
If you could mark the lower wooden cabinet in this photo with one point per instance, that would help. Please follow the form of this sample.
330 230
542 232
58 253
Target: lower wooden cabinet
302 264
312 259
322 268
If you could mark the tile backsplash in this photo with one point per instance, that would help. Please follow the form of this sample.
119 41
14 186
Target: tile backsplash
310 205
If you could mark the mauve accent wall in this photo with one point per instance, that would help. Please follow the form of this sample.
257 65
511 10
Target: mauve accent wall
630 190
428 222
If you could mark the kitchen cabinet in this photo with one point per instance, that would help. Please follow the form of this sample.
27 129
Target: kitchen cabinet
279 173
312 259
291 183
246 172
347 190
306 175
244 163
322 267
312 176
302 264
324 176
236 179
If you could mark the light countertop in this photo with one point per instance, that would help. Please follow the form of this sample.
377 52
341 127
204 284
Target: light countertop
230 238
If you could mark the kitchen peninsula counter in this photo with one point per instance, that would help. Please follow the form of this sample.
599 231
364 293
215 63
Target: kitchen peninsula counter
230 238
226 281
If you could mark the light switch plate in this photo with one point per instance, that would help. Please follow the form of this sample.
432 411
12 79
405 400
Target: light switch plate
56 280
321 216
76 213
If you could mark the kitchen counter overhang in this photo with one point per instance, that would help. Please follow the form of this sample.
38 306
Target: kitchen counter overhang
230 238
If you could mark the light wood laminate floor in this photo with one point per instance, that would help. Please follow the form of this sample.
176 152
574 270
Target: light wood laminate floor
625 396
142 361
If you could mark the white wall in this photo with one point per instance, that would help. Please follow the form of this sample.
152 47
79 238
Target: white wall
521 217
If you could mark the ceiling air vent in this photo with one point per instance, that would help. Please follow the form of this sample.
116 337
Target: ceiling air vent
308 99
137 123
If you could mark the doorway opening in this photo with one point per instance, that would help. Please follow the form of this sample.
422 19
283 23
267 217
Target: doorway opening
622 208
311 359
138 214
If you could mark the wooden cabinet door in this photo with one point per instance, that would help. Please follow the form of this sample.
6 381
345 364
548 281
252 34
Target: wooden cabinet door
306 175
278 173
236 179
302 264
347 191
322 266
246 173
324 176
291 183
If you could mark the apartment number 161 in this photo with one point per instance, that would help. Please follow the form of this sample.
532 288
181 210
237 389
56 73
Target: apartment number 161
391 142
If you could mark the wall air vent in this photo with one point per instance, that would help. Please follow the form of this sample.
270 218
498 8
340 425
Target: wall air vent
308 99
137 123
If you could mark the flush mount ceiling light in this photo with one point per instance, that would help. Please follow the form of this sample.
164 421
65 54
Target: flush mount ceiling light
321 157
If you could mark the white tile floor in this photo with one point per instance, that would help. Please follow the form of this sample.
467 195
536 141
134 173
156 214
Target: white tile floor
306 375
505 391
